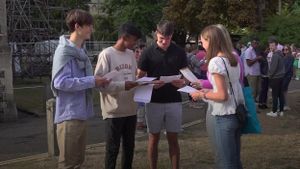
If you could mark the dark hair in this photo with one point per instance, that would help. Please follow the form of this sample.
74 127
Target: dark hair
272 39
139 45
287 47
129 29
80 17
165 27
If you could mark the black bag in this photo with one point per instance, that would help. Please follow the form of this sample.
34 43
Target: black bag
240 111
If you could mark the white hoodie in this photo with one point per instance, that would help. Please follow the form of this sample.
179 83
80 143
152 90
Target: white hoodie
115 101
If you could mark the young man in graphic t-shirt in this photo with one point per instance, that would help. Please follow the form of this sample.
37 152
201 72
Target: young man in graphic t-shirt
118 107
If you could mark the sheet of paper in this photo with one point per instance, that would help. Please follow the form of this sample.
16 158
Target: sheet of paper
145 80
189 75
143 93
169 79
112 74
187 89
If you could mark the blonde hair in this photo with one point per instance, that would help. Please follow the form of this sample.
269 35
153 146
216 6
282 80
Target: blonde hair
218 41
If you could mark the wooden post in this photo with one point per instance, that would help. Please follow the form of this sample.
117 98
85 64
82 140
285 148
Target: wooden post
51 129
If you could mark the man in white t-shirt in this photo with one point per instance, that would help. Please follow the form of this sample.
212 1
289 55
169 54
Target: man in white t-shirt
253 67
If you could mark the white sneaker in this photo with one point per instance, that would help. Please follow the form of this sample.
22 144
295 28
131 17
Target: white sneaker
286 108
272 114
280 113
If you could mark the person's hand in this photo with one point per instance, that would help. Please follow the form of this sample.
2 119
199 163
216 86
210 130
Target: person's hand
101 81
178 83
129 85
158 84
259 57
197 95
197 85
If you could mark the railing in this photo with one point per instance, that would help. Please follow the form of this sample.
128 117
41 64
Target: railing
34 59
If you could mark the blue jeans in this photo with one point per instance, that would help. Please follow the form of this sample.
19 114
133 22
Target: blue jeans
225 136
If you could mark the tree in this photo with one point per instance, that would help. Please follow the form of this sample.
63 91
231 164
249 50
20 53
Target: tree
213 11
242 13
284 26
183 13
143 13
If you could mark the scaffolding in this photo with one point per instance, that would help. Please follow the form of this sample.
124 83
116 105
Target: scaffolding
33 31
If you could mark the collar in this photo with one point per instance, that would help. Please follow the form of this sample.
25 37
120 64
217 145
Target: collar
160 49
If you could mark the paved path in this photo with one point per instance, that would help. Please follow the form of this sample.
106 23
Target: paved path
28 136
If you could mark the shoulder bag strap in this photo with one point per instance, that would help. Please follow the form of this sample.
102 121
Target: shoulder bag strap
230 84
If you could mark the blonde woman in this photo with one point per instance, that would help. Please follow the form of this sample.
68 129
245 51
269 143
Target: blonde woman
221 121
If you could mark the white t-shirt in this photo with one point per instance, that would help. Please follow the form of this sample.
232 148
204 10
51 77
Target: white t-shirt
216 65
253 70
269 58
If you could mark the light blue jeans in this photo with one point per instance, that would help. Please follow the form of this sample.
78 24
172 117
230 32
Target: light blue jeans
225 136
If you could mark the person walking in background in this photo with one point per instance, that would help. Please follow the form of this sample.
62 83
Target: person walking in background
276 74
118 107
194 63
253 68
202 62
72 80
163 58
141 124
138 50
288 65
221 121
297 66
264 86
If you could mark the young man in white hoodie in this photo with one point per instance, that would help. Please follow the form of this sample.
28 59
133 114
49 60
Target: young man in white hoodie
118 107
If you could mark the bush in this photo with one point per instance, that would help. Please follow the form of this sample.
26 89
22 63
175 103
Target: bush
285 28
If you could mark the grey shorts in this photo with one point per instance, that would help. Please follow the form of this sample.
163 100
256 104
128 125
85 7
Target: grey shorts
168 115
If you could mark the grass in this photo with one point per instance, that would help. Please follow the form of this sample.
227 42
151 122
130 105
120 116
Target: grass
278 147
258 152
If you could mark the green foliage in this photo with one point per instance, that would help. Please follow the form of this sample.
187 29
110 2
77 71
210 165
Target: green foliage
212 12
143 13
285 27
241 13
295 9
239 16
183 13
104 28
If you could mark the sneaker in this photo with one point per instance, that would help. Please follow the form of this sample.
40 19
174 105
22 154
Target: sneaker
272 114
286 108
280 113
